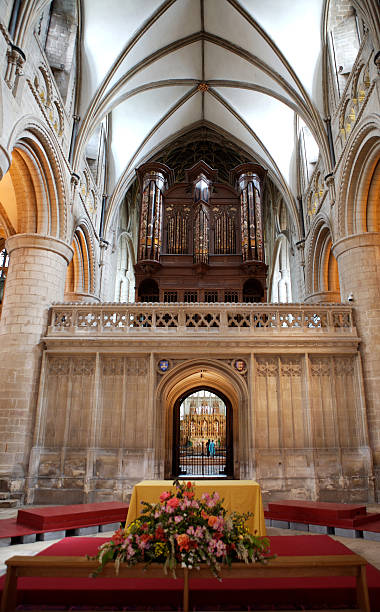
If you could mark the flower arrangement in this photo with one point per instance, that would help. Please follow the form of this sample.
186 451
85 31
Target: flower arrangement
184 531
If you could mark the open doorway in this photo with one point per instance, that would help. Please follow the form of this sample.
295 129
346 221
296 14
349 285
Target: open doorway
202 436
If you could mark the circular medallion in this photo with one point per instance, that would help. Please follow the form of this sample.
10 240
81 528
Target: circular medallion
239 365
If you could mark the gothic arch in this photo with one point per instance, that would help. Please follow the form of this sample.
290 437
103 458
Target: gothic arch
280 281
125 272
357 185
214 375
128 176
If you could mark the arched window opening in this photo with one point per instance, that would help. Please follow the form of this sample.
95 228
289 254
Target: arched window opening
202 435
252 291
96 155
148 291
125 279
281 291
57 30
344 40
309 153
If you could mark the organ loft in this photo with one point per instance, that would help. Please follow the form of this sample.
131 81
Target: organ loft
201 240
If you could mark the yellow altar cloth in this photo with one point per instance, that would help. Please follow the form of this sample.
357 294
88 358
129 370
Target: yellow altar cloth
238 495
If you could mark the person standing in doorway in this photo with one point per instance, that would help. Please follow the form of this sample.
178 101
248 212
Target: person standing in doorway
211 447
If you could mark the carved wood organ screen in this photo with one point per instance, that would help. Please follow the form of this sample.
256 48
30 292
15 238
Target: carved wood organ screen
201 238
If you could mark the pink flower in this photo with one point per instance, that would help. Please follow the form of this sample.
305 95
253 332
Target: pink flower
216 522
177 519
130 551
173 502
164 496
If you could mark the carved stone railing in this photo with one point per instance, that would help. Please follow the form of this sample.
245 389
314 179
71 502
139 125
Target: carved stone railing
110 319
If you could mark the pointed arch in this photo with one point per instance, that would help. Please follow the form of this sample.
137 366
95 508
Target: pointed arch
280 288
125 276
213 374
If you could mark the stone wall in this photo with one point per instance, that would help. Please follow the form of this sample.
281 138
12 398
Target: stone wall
105 411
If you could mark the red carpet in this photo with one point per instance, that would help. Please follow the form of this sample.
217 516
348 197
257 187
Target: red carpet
236 593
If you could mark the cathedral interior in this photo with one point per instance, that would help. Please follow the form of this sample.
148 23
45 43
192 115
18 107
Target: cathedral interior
189 246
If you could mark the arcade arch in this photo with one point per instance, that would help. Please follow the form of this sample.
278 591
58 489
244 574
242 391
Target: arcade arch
322 266
80 281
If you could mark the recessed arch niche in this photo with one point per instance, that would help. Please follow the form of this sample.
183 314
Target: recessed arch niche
180 380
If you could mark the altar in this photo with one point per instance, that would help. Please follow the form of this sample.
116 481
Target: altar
238 495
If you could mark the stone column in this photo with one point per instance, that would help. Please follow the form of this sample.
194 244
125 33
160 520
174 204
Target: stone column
35 279
358 259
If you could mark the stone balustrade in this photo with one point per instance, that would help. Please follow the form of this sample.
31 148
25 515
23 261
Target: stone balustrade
184 318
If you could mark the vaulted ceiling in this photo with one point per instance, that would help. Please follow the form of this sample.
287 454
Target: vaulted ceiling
158 68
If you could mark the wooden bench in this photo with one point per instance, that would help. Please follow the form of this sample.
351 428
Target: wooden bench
281 567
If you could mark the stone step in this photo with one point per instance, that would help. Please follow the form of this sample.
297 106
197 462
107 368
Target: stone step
9 503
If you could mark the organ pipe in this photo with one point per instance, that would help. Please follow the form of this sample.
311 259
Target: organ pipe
153 178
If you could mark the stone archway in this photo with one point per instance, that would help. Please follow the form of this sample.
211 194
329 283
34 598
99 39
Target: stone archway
191 375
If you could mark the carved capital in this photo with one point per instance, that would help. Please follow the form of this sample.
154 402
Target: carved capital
16 60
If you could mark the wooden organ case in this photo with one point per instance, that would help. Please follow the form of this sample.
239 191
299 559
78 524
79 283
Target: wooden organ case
201 240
